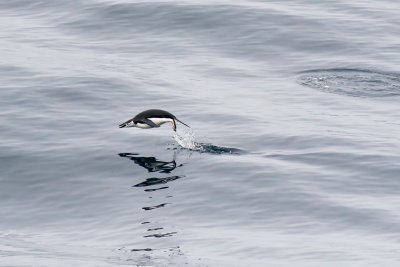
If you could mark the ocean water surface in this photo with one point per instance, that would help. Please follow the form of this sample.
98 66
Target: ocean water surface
293 158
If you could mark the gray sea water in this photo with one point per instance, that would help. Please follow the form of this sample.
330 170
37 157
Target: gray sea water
296 103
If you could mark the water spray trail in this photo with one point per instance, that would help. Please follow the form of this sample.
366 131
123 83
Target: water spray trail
187 140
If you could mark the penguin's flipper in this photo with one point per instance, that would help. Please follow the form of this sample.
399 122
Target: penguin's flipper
151 123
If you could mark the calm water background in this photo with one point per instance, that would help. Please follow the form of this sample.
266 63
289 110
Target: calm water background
308 90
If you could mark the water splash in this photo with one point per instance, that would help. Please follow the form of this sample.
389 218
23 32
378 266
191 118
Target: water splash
187 140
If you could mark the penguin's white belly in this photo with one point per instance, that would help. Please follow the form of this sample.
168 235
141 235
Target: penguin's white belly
143 125
160 121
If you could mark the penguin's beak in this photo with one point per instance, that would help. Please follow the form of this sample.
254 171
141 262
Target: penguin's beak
128 123
123 125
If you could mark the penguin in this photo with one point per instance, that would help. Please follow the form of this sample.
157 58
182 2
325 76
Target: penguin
152 118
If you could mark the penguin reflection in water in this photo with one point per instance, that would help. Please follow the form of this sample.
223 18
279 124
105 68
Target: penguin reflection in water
152 118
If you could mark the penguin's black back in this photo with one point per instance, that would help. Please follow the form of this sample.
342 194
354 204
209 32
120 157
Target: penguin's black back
153 113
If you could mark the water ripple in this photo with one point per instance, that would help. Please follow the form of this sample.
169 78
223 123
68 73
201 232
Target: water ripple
352 82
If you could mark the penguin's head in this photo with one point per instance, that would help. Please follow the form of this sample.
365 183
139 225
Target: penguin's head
129 123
